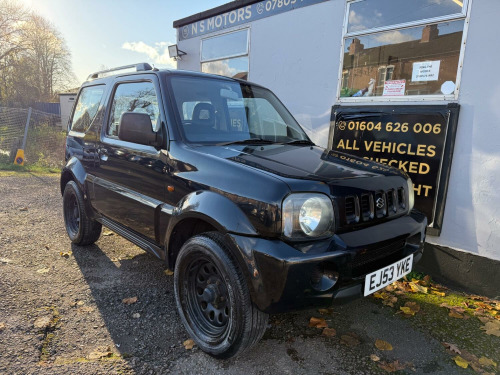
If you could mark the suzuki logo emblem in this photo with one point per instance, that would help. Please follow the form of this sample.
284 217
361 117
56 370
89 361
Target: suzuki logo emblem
380 203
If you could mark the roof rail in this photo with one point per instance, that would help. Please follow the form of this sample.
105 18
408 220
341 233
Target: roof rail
140 67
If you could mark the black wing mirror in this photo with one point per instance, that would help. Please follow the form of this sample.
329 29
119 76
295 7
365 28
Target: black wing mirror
137 127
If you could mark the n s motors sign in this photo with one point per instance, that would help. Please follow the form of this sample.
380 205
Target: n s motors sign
416 139
240 16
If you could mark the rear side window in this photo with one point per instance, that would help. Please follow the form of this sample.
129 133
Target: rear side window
134 97
86 108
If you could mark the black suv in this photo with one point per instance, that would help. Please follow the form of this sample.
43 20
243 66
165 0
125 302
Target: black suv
216 178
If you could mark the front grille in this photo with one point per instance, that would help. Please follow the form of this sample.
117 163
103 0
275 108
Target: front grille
351 212
373 205
401 198
372 259
366 203
390 201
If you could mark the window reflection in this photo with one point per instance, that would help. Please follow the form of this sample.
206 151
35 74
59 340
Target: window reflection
226 45
133 97
368 14
86 108
421 58
235 68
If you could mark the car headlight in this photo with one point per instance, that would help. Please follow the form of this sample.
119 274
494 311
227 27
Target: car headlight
411 194
308 215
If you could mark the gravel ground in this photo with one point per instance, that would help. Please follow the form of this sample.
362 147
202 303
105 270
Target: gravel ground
62 313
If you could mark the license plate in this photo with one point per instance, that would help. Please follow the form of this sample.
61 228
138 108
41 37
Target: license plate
387 275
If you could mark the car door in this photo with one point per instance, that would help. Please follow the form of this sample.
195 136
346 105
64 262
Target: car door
129 182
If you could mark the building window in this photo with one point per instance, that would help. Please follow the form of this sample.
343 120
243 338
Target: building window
226 54
402 48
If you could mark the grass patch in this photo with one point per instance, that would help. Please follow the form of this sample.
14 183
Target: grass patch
8 169
435 320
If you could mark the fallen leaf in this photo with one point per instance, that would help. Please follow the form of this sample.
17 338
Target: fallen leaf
188 344
328 311
492 328
437 293
381 295
418 288
461 362
374 357
129 300
136 316
410 308
86 309
349 340
444 304
382 345
455 314
80 303
391 367
43 270
42 322
329 332
318 322
100 352
426 280
390 301
65 255
2 326
23 209
168 272
451 347
483 361
47 247
407 311
107 233
484 319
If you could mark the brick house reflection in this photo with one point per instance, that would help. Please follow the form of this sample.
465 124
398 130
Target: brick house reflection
395 62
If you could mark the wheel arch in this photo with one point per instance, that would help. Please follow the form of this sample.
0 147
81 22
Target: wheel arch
200 212
73 171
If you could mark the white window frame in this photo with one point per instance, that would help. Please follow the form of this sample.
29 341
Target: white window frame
463 15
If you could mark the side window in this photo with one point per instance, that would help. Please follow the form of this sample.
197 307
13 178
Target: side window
134 97
86 108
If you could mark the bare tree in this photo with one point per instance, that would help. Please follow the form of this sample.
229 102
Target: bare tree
35 62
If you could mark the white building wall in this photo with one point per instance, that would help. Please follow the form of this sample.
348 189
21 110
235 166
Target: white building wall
297 55
472 215
67 101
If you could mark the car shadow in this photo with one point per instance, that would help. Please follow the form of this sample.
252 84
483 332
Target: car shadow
147 329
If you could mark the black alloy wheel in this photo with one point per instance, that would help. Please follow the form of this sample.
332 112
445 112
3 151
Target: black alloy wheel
213 298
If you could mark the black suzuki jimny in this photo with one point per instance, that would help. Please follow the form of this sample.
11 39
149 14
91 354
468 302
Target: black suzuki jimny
216 178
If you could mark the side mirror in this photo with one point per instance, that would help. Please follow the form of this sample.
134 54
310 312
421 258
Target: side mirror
137 128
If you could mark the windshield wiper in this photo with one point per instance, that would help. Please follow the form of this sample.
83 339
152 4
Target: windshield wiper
250 141
300 142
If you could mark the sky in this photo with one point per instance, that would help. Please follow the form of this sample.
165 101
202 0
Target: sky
110 33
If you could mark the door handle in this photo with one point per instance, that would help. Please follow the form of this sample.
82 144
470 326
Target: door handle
103 154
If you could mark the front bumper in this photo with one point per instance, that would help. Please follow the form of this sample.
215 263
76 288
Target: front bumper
283 277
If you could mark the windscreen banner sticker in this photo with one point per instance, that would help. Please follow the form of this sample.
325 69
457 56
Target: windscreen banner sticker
410 140
241 16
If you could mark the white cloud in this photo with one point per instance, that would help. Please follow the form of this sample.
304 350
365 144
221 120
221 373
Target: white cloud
158 53
393 37
220 67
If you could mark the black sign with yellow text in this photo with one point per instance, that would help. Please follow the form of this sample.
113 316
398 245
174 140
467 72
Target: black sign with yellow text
416 139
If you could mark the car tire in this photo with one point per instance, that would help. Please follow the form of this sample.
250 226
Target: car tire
213 299
80 228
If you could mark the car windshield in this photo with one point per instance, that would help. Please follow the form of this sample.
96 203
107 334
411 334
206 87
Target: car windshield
218 111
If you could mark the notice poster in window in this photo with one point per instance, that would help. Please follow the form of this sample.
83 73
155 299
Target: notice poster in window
425 71
417 139
394 88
